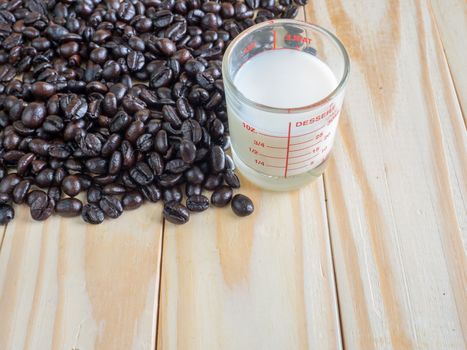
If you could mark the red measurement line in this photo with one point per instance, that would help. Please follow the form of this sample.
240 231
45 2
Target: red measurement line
311 132
275 35
301 143
301 155
276 147
288 147
306 160
303 166
277 137
301 149
267 156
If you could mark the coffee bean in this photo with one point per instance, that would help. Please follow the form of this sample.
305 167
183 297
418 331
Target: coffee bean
21 190
217 159
71 185
222 196
172 194
94 194
42 208
197 203
213 181
176 213
5 198
151 192
55 193
9 182
231 179
6 214
34 115
92 214
69 207
111 206
142 174
132 200
242 205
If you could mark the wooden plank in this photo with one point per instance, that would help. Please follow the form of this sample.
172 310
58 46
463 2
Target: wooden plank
396 185
261 282
451 20
68 285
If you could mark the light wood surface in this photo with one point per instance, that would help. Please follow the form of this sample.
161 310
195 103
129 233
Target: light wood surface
371 256
451 19
67 285
396 185
265 282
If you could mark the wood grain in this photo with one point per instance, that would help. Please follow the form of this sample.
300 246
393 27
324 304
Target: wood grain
451 19
396 185
261 282
68 285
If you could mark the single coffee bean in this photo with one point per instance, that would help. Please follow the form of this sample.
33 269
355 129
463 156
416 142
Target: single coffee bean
21 190
191 190
33 115
42 208
197 203
132 200
69 207
6 214
111 206
217 159
92 214
142 174
94 194
176 213
187 151
71 185
172 194
114 189
242 205
151 192
213 182
35 195
231 179
9 182
55 193
222 196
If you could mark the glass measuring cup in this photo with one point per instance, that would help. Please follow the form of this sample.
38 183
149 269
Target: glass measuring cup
283 148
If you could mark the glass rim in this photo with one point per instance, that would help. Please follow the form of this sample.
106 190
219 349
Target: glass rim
342 82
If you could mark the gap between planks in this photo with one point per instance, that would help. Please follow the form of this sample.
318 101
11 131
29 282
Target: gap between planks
448 65
159 292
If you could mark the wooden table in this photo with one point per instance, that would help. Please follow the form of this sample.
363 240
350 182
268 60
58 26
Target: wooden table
372 255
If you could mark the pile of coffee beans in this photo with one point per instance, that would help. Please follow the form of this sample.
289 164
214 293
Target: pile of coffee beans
122 100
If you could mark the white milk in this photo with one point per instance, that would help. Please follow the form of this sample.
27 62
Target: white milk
269 148
285 79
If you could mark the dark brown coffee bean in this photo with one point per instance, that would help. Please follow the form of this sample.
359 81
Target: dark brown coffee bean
172 194
69 207
97 165
213 181
176 213
6 214
231 179
176 166
222 196
111 206
197 203
42 208
42 90
33 115
217 159
71 185
21 190
135 61
142 174
9 182
55 193
94 194
92 214
114 189
5 198
132 200
170 180
151 192
161 143
156 163
242 205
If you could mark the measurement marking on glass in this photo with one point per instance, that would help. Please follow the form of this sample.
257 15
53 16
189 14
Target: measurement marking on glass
288 148
306 160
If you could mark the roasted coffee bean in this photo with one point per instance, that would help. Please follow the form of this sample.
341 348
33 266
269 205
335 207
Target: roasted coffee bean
114 189
142 174
213 181
21 190
176 166
5 198
132 200
111 206
217 159
194 176
55 193
197 203
42 207
6 214
94 194
9 182
222 196
231 179
33 115
172 194
161 143
71 185
151 192
68 207
176 213
242 205
187 151
92 214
